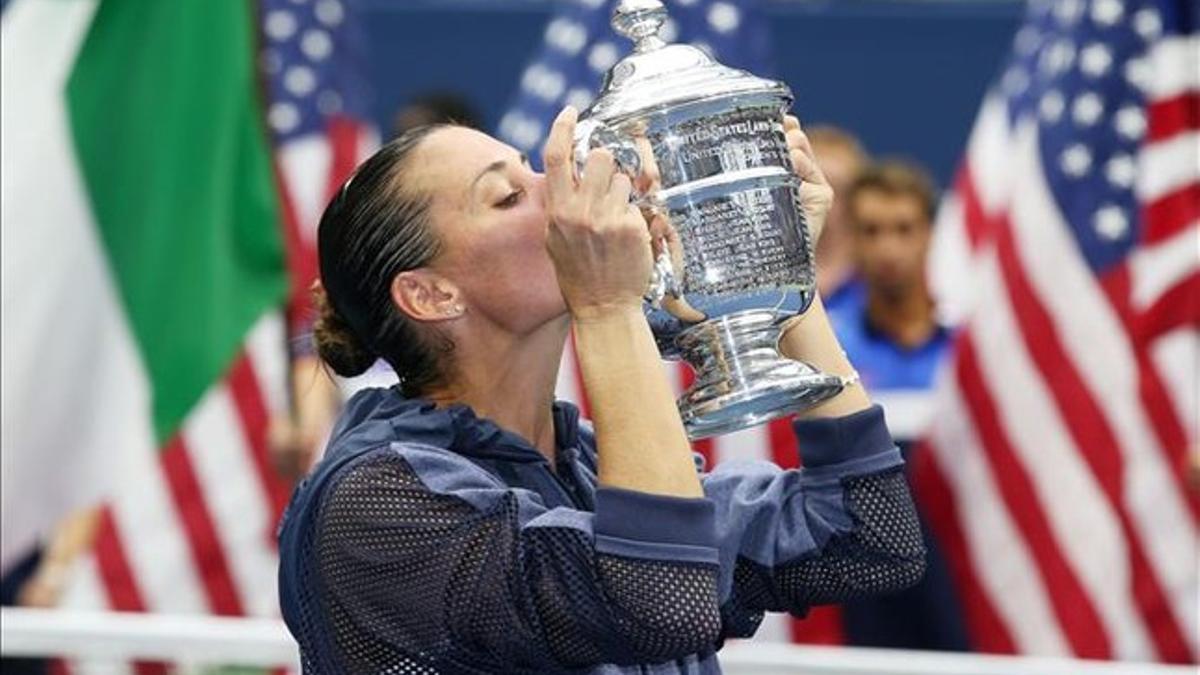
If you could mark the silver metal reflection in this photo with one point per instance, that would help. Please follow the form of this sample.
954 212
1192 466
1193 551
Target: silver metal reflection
714 136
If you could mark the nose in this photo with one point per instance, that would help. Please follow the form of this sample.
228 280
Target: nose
537 187
888 251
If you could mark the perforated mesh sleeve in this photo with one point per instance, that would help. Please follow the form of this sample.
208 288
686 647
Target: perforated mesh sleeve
882 552
412 581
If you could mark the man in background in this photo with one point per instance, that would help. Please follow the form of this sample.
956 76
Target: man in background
841 157
890 329
891 333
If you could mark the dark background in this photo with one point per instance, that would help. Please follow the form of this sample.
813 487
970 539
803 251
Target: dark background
906 75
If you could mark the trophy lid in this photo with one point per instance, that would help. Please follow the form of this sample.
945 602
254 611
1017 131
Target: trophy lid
660 75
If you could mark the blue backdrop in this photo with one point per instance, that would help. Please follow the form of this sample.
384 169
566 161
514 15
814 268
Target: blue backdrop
905 75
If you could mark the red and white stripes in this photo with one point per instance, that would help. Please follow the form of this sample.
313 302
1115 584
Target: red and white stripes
191 529
1055 476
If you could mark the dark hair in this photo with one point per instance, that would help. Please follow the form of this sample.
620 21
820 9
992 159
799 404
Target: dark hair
437 107
372 230
836 137
897 177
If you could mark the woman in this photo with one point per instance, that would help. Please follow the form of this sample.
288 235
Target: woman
465 522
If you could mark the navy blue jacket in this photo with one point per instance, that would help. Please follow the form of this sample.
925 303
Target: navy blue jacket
429 540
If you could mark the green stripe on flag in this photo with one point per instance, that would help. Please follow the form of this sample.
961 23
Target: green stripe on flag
166 117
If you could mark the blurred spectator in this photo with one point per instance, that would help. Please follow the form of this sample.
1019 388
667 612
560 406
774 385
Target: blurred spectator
891 333
296 439
435 108
841 157
890 329
40 578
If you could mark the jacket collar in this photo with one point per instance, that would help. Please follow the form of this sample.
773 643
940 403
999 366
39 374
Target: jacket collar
455 427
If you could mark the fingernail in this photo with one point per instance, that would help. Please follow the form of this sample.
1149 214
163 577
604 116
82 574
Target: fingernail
569 111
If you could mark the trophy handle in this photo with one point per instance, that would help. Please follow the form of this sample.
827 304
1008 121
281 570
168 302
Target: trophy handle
663 281
591 134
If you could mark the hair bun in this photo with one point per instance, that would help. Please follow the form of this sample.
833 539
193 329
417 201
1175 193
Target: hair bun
336 343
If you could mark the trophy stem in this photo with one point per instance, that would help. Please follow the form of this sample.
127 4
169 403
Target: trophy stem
741 378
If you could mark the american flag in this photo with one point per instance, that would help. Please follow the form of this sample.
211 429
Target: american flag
578 47
1055 472
313 57
194 531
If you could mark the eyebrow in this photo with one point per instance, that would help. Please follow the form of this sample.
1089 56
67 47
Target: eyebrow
498 165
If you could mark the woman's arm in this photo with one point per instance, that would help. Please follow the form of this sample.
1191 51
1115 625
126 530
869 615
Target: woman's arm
842 527
810 338
442 561
601 249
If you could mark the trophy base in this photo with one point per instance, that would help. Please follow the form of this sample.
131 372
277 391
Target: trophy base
741 378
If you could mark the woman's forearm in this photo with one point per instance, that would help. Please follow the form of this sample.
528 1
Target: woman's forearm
640 439
811 339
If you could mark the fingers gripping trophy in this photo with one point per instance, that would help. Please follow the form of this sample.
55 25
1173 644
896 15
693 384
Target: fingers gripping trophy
735 264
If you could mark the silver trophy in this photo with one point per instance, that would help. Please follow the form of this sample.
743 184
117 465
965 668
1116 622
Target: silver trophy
716 137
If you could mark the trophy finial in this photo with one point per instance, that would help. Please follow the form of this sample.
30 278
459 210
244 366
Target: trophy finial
640 21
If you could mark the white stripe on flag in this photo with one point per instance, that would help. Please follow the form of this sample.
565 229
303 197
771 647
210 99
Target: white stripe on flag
153 538
86 591
1153 270
568 387
744 445
675 371
266 347
1168 165
67 412
1097 341
1173 68
996 550
1084 524
101 667
368 142
305 164
1177 355
221 455
909 412
988 153
949 264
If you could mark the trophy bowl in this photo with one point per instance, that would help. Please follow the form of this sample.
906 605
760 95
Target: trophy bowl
714 135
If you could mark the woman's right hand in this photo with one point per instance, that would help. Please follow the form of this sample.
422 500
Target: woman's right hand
597 238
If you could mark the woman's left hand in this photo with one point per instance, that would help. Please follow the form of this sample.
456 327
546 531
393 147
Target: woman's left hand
816 197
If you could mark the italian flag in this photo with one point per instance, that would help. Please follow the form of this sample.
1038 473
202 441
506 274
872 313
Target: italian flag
143 272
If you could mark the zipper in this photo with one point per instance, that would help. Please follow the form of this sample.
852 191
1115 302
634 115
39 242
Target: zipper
569 469
567 490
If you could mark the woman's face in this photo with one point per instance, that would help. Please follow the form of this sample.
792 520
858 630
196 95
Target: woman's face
488 207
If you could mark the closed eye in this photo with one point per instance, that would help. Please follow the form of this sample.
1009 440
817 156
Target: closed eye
511 200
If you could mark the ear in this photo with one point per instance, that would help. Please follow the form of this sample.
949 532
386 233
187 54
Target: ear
425 295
